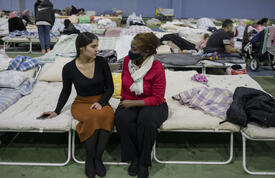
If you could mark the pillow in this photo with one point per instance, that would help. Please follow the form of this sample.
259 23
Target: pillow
164 49
84 19
117 85
52 72
12 79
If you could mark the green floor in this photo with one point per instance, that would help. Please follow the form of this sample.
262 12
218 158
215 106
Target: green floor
185 146
173 146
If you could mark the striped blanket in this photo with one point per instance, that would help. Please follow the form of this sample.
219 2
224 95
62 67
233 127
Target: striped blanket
9 96
214 101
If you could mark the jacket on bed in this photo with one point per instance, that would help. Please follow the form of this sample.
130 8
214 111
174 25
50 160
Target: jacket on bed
251 105
180 42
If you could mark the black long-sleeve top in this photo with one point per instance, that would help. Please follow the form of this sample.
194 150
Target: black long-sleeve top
101 83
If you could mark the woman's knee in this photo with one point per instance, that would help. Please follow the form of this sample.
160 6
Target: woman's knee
122 116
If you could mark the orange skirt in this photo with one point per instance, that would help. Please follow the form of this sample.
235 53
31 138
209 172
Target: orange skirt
91 119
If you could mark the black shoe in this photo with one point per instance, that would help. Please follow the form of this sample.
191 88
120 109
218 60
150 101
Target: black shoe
100 168
90 168
143 172
133 168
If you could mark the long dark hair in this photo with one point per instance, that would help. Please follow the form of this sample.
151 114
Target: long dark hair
83 39
262 21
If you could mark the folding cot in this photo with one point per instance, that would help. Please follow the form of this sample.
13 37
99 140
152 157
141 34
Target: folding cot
30 41
256 133
184 119
21 117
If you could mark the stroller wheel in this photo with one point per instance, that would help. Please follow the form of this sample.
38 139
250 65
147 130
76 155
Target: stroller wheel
254 64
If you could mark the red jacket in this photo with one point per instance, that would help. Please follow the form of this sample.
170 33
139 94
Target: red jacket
154 84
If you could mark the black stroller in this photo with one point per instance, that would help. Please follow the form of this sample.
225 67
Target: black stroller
256 50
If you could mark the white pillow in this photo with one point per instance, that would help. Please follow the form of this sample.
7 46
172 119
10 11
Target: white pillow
164 49
12 79
52 72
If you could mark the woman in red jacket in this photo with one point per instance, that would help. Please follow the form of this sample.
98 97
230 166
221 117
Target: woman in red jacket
143 108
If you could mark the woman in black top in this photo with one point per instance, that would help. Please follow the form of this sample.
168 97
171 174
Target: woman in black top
93 82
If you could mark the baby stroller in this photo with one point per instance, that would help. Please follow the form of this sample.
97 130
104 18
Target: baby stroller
258 49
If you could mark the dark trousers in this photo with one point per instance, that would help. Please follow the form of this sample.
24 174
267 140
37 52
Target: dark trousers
137 128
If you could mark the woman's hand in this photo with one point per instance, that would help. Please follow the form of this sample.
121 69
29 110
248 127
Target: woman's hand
96 106
50 113
127 104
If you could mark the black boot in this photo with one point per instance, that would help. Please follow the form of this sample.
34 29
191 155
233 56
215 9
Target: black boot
90 146
133 168
103 138
90 168
143 172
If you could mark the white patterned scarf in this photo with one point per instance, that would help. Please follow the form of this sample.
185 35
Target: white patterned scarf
137 74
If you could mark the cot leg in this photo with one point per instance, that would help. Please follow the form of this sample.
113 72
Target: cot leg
244 161
197 162
43 164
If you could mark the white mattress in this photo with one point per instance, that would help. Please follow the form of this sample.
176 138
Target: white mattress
22 115
183 117
257 132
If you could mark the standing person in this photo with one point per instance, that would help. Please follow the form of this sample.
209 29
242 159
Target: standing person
143 108
44 19
93 82
261 24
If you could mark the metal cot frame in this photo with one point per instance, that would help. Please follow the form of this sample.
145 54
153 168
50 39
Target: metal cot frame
198 162
14 163
83 162
245 137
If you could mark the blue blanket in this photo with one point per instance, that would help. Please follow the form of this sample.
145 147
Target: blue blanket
9 96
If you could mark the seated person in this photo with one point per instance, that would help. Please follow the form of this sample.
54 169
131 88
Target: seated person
69 28
15 23
202 43
262 24
219 41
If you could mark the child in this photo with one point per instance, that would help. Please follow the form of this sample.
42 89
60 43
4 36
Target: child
231 35
202 43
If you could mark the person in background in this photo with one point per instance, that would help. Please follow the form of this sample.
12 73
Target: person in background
25 16
261 24
92 79
202 43
143 108
219 41
15 23
44 19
